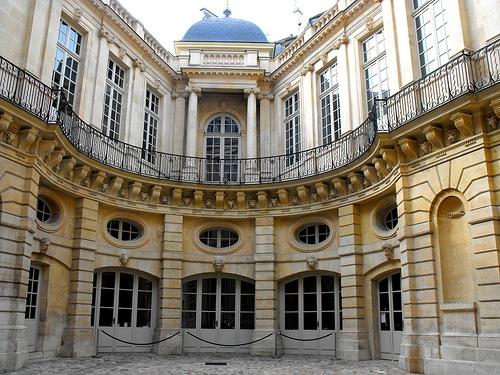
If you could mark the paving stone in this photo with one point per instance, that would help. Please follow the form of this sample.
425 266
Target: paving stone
151 364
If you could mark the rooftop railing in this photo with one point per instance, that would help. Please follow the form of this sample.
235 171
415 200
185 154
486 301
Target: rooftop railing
468 73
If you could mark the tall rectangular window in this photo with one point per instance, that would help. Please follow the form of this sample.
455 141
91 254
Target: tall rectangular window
330 105
113 99
375 68
65 72
432 38
292 128
150 132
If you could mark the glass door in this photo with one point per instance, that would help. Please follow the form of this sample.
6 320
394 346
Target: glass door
123 308
31 312
390 316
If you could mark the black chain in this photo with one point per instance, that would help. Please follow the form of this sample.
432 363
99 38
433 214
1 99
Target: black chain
133 343
297 339
215 343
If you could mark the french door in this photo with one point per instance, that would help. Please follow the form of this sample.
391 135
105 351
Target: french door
310 309
218 309
390 317
124 306
32 312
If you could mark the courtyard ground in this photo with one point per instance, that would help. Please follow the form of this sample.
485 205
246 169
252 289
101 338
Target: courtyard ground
109 364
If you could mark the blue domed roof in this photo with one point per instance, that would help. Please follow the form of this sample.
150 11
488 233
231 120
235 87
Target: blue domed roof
224 29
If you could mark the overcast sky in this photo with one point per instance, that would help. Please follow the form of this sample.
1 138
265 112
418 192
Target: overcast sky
168 20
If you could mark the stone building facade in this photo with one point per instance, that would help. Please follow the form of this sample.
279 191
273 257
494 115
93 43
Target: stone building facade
339 187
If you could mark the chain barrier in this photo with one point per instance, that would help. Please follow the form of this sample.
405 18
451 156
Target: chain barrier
297 339
229 345
133 343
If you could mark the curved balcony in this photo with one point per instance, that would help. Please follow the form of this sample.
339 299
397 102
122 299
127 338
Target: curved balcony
468 73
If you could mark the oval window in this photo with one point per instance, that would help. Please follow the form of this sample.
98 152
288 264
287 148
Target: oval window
123 230
219 237
46 210
391 218
313 234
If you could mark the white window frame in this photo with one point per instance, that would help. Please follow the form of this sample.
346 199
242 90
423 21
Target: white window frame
439 45
292 127
329 101
151 121
226 172
67 55
114 95
379 60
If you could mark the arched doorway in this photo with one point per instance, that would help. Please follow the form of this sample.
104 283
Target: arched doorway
218 308
390 316
222 148
124 306
310 308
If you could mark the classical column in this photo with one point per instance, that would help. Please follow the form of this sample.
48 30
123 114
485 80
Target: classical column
78 338
265 123
17 225
266 288
251 170
353 342
190 171
179 117
169 291
307 106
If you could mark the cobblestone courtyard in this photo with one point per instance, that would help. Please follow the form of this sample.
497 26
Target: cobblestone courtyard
195 364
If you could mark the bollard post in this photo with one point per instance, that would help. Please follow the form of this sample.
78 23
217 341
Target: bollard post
182 341
276 343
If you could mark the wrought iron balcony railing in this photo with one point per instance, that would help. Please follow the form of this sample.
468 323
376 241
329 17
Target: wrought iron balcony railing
468 73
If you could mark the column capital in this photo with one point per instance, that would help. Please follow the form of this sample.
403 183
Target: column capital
306 69
252 90
193 90
265 95
179 94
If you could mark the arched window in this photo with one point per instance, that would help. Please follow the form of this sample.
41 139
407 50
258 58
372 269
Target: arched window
222 145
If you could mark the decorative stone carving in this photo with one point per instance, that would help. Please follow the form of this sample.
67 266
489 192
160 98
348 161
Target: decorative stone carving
252 203
176 196
283 197
197 199
426 147
143 196
165 199
434 134
219 200
218 263
369 23
193 89
295 200
262 198
231 203
26 138
66 167
454 214
391 157
105 34
124 259
274 202
252 90
209 203
453 135
463 122
9 137
340 185
409 148
492 122
55 158
140 64
122 52
187 201
104 187
322 190
333 193
80 173
96 179
77 14
303 194
315 197
134 189
388 250
241 198
370 173
46 148
380 167
312 263
44 245
122 193
356 181
114 185
495 104
343 39
5 121
154 194
306 69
